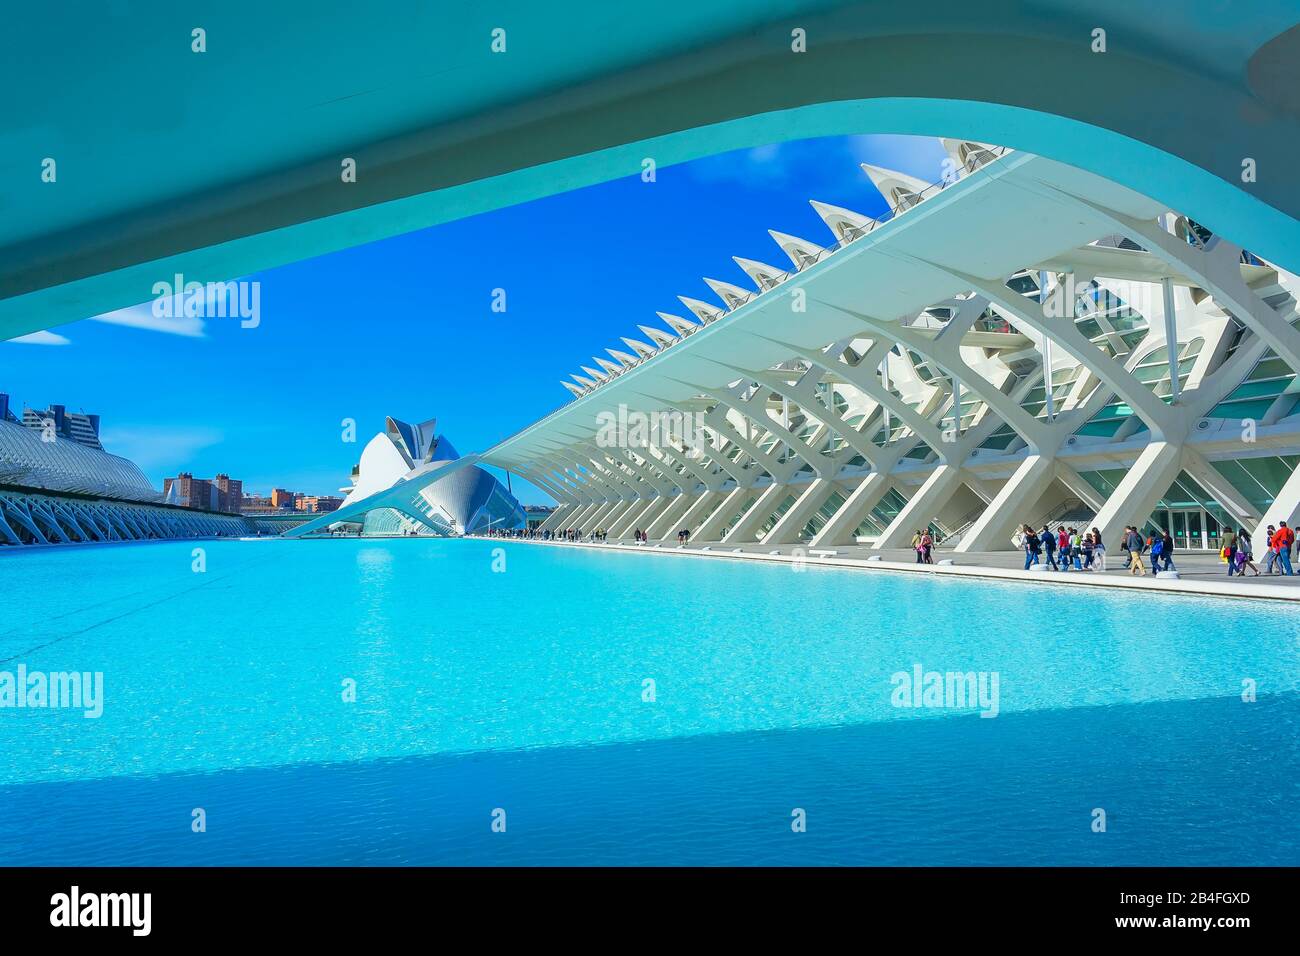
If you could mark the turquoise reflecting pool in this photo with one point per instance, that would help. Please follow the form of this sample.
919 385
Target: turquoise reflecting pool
526 690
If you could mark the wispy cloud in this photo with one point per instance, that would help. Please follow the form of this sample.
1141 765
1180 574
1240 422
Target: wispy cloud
155 447
42 338
142 317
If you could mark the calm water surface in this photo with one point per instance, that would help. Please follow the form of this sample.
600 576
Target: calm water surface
525 690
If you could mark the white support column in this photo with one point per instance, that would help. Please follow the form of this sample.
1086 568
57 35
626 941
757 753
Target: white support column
679 507
1047 353
657 507
574 520
1171 334
613 514
921 509
786 530
711 527
977 484
742 532
1285 507
557 518
1079 487
1136 495
619 528
992 530
839 529
1212 480
591 521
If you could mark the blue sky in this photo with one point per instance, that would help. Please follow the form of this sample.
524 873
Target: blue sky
404 327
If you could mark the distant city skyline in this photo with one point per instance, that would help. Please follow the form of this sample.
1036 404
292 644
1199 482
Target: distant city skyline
406 325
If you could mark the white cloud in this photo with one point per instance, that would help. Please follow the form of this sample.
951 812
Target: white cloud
142 317
42 338
155 447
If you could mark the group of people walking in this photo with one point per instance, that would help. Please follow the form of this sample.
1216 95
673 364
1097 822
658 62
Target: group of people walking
1280 542
1064 549
1060 549
1239 555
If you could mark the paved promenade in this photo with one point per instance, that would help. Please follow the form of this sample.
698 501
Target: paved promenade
1200 572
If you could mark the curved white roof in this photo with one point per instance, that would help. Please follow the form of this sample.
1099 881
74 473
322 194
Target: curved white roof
65 465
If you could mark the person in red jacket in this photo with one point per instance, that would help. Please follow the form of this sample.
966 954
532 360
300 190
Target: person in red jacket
1283 539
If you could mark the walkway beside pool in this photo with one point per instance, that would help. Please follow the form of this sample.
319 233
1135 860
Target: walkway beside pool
1200 572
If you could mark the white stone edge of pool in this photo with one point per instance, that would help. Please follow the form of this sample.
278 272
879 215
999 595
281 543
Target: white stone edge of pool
1219 589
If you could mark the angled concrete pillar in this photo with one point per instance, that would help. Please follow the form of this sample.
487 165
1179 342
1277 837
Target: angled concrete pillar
577 518
921 509
631 517
1285 507
742 532
786 530
839 529
560 517
612 515
1009 508
592 519
666 524
1212 480
1136 495
1079 486
656 507
711 527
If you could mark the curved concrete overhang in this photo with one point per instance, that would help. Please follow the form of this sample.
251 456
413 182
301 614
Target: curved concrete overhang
224 163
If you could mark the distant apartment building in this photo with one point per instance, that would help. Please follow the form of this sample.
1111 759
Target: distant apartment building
57 422
257 503
221 493
231 492
317 504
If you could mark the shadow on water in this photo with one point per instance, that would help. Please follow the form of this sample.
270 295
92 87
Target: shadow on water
1211 782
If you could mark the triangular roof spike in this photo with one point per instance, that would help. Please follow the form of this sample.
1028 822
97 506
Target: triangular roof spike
640 348
801 252
967 153
598 376
899 189
846 224
657 336
764 276
576 390
677 323
733 295
607 365
584 382
702 310
623 357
